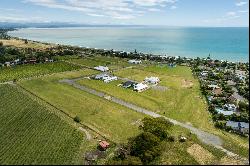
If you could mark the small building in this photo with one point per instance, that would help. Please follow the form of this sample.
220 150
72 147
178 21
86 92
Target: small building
128 84
212 86
104 145
231 83
224 112
110 78
218 91
7 64
101 68
140 87
101 76
236 98
134 61
242 127
32 61
152 80
230 107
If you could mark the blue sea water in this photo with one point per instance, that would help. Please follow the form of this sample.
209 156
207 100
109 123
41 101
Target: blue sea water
222 43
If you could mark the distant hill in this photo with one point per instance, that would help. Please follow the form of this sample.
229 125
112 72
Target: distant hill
55 25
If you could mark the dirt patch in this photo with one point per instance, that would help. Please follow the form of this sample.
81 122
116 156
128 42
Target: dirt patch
187 83
201 155
230 161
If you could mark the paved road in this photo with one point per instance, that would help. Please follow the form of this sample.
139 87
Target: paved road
205 137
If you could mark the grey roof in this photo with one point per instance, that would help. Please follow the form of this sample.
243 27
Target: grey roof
224 112
237 96
236 124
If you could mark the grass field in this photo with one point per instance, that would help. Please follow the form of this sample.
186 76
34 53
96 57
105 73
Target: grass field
116 122
178 102
21 44
26 71
31 134
112 62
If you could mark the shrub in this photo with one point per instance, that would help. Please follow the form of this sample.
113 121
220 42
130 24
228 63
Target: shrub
77 119
171 138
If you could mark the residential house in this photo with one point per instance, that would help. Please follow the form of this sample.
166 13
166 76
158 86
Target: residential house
236 98
104 145
217 92
224 112
7 64
230 107
110 78
140 87
101 76
242 127
231 83
128 84
101 68
133 61
152 80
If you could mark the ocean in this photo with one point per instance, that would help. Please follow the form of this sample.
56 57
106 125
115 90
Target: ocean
230 44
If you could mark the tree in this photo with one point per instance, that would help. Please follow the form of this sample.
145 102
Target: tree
77 119
157 126
1 44
144 146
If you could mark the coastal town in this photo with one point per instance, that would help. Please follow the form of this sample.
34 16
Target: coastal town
224 84
145 84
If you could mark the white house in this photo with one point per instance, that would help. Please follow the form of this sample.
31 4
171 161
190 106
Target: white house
140 87
102 68
214 86
109 79
230 107
224 112
133 61
101 76
152 80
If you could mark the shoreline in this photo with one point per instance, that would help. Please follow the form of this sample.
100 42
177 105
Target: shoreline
119 51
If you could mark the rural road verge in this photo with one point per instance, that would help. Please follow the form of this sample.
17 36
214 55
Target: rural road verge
204 136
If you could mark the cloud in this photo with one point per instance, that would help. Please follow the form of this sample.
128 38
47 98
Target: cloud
117 9
243 11
173 7
241 3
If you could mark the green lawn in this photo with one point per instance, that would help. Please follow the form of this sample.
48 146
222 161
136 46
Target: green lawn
115 121
31 134
26 71
178 102
111 62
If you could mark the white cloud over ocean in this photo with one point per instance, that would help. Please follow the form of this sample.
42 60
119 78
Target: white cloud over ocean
117 9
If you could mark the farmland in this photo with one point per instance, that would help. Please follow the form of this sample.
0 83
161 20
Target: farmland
26 71
22 44
181 101
31 134
111 62
111 119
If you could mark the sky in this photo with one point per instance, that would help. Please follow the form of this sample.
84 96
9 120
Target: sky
226 13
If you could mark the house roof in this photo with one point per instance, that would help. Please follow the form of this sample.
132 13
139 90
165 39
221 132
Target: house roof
236 96
104 144
128 83
217 91
237 124
224 112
